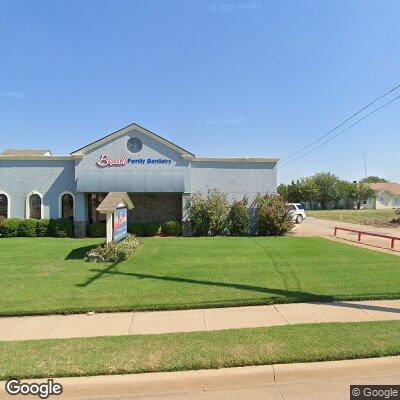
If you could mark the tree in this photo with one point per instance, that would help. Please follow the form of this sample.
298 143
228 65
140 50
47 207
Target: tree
328 188
374 179
362 192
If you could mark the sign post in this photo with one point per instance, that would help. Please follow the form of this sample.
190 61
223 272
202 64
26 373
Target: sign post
115 206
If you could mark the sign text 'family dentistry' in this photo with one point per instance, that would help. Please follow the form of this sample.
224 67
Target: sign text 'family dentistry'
106 161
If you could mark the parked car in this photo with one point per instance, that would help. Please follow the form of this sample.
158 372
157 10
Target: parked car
297 211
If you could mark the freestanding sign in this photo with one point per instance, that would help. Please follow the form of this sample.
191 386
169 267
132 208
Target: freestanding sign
120 224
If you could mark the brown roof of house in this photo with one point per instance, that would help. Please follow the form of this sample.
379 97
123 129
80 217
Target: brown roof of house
27 152
392 187
112 200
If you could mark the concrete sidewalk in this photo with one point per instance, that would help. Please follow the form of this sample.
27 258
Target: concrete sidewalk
139 323
322 380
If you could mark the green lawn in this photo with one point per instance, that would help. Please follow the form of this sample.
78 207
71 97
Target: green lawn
198 350
379 218
48 275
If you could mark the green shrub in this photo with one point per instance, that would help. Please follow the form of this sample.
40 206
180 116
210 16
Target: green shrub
114 252
152 229
61 227
238 218
274 219
218 209
198 215
97 229
9 227
172 228
42 227
208 215
2 218
27 228
136 229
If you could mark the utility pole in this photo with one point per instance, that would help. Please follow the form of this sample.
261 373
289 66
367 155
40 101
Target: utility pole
365 164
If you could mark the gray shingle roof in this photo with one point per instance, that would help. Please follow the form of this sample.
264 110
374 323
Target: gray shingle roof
26 152
112 200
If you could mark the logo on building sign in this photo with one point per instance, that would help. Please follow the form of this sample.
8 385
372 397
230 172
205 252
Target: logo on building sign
120 228
106 161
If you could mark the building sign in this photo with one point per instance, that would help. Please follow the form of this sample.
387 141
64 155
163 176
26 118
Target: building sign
106 161
120 227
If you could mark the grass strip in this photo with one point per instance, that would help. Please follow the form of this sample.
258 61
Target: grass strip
198 350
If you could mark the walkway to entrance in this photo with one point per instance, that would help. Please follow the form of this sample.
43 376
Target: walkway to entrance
156 322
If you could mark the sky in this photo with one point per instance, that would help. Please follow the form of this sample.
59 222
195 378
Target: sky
218 78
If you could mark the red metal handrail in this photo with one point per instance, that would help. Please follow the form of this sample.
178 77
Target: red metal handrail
360 233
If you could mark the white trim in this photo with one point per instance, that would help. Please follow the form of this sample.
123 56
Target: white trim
233 159
8 203
121 132
27 208
60 203
39 158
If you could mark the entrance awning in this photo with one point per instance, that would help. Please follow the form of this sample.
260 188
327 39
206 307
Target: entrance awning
117 180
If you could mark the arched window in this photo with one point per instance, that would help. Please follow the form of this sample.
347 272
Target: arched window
4 206
67 206
35 206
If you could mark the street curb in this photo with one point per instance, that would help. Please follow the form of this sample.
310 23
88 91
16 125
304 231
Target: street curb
204 380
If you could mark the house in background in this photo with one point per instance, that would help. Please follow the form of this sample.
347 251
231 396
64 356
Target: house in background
387 196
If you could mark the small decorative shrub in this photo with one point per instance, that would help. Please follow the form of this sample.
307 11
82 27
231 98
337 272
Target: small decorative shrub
114 252
136 229
27 228
42 227
172 228
238 218
97 229
9 227
152 229
274 218
61 227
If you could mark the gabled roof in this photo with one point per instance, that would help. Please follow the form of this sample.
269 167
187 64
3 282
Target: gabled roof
112 201
391 187
26 152
122 132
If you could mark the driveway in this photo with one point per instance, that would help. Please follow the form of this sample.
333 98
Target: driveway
325 228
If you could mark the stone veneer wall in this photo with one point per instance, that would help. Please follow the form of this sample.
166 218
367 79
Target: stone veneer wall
157 207
80 228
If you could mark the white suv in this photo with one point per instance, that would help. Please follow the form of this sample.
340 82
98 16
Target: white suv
297 211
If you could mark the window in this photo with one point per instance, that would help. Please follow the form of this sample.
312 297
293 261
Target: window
134 145
94 200
398 201
35 206
381 199
4 204
67 206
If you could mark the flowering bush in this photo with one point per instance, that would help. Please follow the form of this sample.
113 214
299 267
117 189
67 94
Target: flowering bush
274 218
114 252
208 215
238 218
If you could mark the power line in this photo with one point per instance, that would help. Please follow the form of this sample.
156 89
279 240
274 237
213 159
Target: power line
338 126
339 133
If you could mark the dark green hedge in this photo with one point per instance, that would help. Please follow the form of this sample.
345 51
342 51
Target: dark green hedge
172 228
136 229
97 229
152 229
